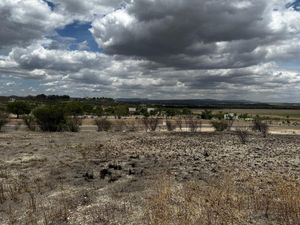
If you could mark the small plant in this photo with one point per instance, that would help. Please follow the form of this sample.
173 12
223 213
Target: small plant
103 124
220 125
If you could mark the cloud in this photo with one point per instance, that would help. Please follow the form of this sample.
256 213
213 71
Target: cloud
239 49
22 21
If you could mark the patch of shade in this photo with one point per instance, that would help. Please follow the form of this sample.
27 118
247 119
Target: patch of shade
295 5
82 37
50 4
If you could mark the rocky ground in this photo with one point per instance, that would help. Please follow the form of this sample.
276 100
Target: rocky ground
115 178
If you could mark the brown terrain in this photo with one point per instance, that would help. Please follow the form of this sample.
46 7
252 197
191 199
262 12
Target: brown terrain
148 178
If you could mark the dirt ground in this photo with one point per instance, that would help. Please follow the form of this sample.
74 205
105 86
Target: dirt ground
122 178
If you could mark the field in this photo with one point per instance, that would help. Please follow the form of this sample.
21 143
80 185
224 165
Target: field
148 178
272 113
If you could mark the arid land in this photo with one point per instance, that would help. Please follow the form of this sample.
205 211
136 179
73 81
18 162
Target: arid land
148 178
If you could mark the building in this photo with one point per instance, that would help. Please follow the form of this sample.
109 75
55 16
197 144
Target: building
131 110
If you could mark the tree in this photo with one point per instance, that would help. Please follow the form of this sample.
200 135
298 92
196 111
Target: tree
121 110
73 108
18 108
186 111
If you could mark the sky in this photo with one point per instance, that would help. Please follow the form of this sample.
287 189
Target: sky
157 49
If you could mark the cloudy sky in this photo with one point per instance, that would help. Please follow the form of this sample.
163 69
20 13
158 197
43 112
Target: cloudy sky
159 49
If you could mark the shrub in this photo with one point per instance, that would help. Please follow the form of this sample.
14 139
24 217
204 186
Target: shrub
103 124
242 135
50 118
192 123
150 123
220 125
179 122
30 122
153 123
170 125
73 124
3 119
206 115
260 126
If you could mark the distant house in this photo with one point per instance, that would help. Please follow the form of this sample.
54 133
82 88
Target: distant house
12 100
231 116
131 110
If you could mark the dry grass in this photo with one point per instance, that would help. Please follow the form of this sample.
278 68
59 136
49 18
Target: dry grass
222 202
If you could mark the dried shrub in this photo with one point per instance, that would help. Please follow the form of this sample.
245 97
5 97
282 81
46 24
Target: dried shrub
150 123
220 125
242 135
179 122
73 124
3 119
170 125
261 127
103 124
192 123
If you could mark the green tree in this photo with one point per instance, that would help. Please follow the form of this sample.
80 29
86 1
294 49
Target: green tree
186 111
18 108
73 108
121 110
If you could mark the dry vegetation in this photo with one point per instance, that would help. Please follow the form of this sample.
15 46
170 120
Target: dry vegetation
148 178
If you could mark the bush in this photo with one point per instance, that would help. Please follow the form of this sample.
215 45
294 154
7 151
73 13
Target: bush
103 124
192 123
3 119
170 126
153 123
30 122
73 124
220 125
260 126
50 118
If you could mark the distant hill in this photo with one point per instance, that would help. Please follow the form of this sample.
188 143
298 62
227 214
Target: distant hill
209 103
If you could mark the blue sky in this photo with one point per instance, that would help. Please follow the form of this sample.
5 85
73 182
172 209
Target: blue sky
80 32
